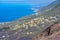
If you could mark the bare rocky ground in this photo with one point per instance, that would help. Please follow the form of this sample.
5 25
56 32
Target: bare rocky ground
51 33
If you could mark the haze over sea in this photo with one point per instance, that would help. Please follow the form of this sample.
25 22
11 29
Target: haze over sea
12 10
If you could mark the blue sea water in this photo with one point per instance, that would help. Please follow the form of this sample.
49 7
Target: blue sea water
13 12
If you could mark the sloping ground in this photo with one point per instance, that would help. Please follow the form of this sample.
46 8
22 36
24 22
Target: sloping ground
52 33
52 5
33 25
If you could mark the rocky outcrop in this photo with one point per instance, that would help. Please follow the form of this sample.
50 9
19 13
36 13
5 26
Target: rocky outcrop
51 33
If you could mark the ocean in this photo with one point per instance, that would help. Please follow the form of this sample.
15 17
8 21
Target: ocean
14 12
11 12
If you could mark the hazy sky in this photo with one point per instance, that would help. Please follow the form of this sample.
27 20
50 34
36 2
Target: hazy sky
27 2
